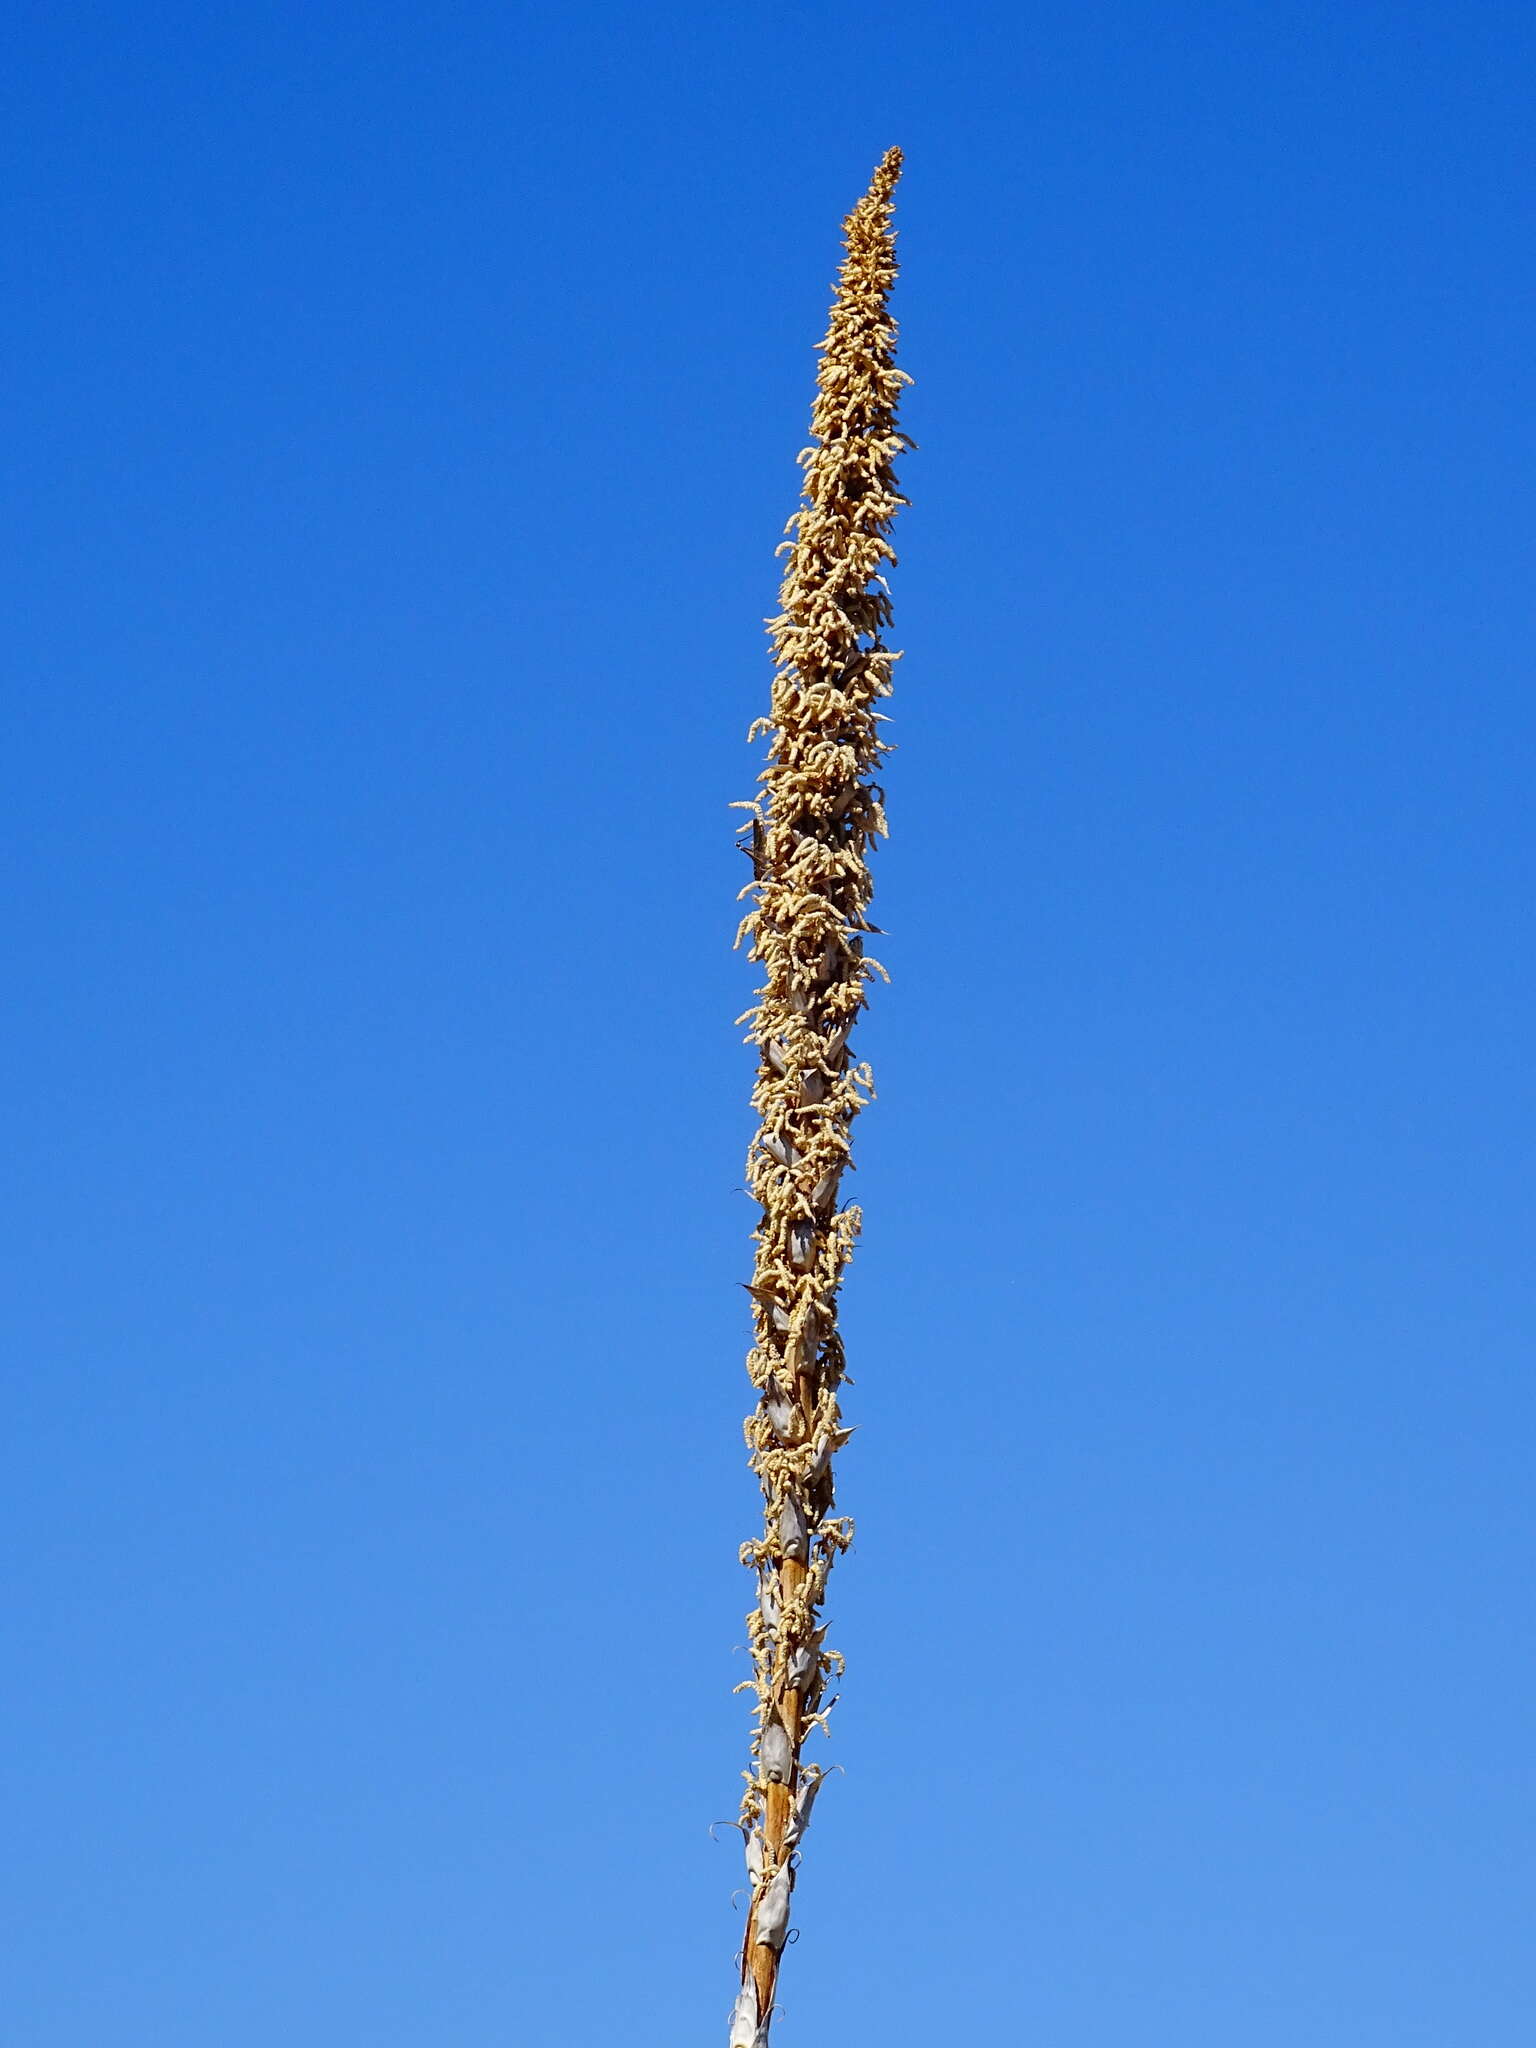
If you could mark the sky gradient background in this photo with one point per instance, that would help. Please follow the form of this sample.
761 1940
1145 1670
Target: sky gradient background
402 411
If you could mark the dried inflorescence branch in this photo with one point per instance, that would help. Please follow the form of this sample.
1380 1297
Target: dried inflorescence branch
810 834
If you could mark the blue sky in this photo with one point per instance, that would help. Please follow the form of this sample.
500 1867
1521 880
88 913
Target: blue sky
402 411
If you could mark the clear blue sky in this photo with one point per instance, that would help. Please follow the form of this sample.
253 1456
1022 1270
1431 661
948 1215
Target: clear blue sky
402 409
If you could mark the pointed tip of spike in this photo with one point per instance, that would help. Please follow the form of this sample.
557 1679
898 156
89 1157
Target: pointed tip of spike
872 215
887 171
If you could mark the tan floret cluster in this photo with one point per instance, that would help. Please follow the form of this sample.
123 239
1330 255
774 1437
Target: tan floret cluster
810 833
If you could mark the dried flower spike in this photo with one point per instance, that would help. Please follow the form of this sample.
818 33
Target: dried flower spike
810 834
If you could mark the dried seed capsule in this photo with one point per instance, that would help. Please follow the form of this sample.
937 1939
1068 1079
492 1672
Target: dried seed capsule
774 1756
771 1924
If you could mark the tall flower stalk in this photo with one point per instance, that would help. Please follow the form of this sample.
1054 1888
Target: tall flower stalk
811 831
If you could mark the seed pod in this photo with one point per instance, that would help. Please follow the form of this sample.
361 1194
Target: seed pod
774 1756
771 1923
794 1533
744 2017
